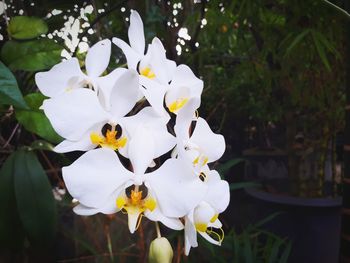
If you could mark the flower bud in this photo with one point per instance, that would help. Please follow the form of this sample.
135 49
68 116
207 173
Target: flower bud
160 251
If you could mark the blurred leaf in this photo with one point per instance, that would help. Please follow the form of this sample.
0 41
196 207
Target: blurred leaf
11 232
10 94
273 257
25 27
267 219
42 145
34 119
35 100
242 185
224 168
297 40
320 50
286 253
31 55
35 201
247 249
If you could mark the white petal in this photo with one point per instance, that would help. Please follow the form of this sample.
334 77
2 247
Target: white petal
132 57
83 144
133 218
108 208
184 77
184 119
135 33
55 81
158 61
156 215
124 94
213 145
141 150
203 213
210 239
95 176
97 58
106 84
218 195
190 234
154 93
73 113
166 182
147 117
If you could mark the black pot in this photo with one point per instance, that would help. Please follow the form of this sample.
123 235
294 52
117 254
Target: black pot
312 224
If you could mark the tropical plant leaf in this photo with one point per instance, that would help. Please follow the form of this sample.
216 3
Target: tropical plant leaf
11 232
31 55
320 50
34 119
25 27
10 94
35 201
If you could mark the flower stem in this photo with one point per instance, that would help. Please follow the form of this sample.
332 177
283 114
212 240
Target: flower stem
158 230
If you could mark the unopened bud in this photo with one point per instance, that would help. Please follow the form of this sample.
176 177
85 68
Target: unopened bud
160 251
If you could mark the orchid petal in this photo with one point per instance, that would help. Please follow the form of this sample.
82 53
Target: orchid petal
124 94
55 81
166 182
83 144
95 176
73 113
157 215
184 119
141 150
97 58
213 145
136 34
163 140
190 233
132 57
158 61
154 93
106 85
184 77
218 195
108 208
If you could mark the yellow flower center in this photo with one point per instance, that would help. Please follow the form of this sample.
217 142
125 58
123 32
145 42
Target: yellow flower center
134 206
148 73
216 233
177 105
109 140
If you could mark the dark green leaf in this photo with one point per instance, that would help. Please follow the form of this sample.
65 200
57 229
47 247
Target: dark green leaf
247 249
274 251
25 27
10 94
267 219
35 201
297 40
34 119
41 145
11 232
242 185
286 253
31 55
224 168
320 50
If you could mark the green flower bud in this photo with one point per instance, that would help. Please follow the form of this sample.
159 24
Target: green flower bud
160 251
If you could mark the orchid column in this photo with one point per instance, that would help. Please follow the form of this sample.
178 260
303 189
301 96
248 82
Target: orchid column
136 160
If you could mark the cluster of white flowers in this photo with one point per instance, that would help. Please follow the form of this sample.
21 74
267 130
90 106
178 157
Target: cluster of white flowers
147 150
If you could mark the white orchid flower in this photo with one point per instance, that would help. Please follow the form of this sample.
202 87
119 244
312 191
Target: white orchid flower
79 117
67 75
100 182
203 219
183 87
155 69
200 146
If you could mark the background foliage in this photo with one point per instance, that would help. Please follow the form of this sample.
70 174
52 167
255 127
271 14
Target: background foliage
271 69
